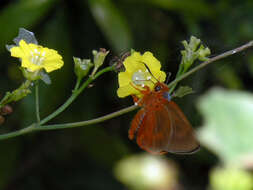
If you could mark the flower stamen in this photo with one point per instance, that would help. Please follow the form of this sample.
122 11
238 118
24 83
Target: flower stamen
35 57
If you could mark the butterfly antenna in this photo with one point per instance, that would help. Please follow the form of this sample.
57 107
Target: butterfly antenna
168 77
149 71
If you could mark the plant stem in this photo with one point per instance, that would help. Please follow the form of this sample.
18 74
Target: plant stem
131 108
34 127
23 131
88 122
37 104
218 57
74 95
78 81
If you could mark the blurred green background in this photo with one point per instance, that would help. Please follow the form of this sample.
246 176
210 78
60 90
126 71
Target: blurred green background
88 157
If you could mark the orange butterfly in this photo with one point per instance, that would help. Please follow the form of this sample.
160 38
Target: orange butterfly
160 126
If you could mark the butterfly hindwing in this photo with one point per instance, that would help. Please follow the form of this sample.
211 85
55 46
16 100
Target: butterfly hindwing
183 139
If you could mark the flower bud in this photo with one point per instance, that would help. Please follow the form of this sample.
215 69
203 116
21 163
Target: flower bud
20 93
193 44
193 51
99 57
82 67
203 53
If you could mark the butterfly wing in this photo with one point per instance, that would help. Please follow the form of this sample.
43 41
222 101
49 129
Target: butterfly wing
150 135
136 123
182 139
163 129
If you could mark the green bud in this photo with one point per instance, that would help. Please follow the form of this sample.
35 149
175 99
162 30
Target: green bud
99 57
194 43
203 53
230 179
17 94
21 92
82 67
193 51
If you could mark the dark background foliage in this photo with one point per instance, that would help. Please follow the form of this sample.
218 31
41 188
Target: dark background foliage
84 158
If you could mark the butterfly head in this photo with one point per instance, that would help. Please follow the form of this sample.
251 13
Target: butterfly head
163 89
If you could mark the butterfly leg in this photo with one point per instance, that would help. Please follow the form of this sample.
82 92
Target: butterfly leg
135 98
144 90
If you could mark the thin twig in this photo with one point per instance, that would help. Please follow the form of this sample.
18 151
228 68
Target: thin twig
89 122
33 127
74 95
218 57
37 104
131 108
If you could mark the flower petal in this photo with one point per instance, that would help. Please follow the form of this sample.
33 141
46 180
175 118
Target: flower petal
25 48
35 57
152 63
124 78
53 65
16 52
133 62
137 73
126 91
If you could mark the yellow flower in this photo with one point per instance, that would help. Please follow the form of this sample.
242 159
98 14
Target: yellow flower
140 70
35 57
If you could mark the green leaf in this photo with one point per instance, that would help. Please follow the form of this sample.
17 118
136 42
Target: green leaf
228 126
183 91
112 23
230 179
21 14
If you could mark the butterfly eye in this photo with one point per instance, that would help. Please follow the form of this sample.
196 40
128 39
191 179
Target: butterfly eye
158 88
